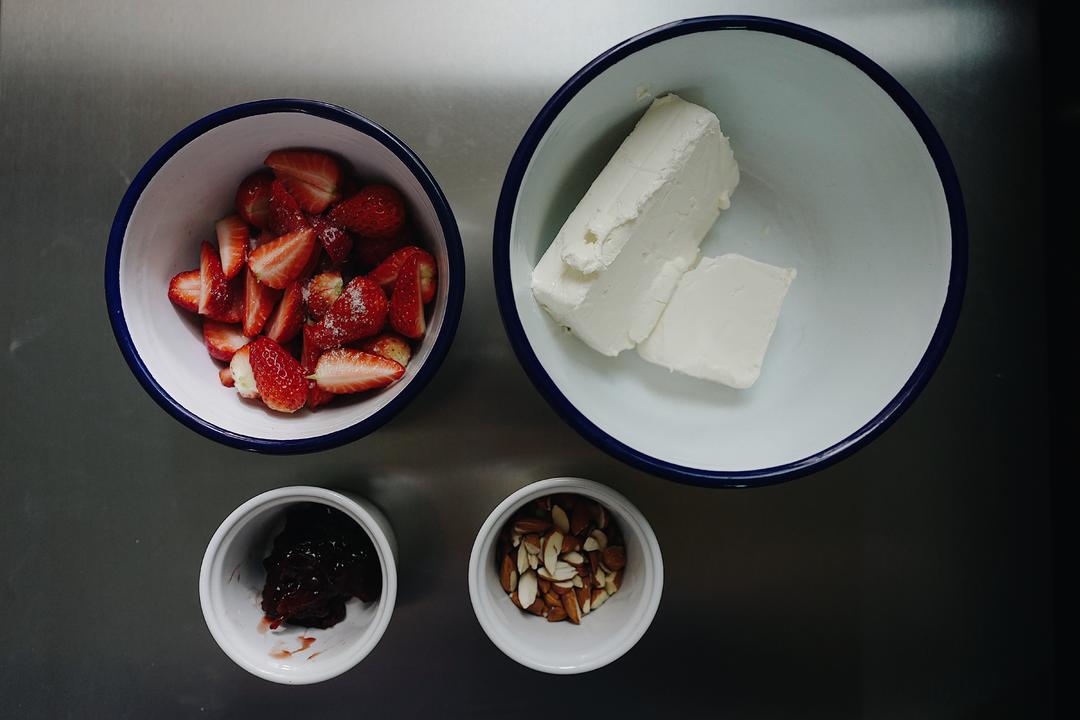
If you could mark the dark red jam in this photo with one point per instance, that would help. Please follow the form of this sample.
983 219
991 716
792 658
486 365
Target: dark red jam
320 560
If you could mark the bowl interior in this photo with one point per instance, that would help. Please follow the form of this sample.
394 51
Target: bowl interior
602 636
232 587
177 210
835 182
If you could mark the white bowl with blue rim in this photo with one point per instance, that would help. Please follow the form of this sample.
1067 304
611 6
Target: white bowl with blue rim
172 205
843 177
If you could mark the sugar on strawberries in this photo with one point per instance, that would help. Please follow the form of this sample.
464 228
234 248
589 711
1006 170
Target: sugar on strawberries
285 262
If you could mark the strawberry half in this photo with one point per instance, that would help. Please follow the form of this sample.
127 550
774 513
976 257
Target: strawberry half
308 166
253 198
360 312
390 346
258 303
309 358
225 376
321 292
344 370
280 261
370 252
311 199
222 340
242 375
185 289
377 211
214 294
234 309
337 243
407 304
232 240
278 377
285 213
288 316
386 273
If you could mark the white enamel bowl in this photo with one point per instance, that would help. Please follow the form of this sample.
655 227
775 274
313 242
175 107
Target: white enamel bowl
604 635
232 577
172 205
843 178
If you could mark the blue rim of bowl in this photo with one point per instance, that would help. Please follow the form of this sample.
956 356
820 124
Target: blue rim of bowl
720 478
455 283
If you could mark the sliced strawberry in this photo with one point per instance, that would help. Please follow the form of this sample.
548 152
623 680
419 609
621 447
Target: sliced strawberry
345 370
234 309
242 375
285 213
253 198
259 302
214 296
222 340
386 273
407 304
232 239
377 211
312 263
310 198
360 312
280 261
278 377
185 289
285 323
309 166
309 358
225 376
337 243
371 252
390 346
321 292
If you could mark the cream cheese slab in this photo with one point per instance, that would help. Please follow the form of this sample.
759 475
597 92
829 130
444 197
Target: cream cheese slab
616 261
719 321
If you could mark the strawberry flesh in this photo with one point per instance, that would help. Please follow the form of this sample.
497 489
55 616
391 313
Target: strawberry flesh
386 273
214 297
185 289
234 310
406 304
285 323
259 302
358 313
308 166
278 377
390 346
345 370
321 292
222 340
253 198
285 213
280 261
233 240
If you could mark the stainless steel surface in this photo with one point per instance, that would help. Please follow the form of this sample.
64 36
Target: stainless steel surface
911 580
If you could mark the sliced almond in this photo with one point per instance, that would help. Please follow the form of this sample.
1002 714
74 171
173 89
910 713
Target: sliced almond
601 577
543 585
590 544
615 557
570 544
562 586
551 550
614 581
526 589
532 543
558 516
522 559
574 558
556 614
599 597
513 580
600 537
577 581
534 561
537 608
529 525
570 605
505 571
579 519
551 599
583 597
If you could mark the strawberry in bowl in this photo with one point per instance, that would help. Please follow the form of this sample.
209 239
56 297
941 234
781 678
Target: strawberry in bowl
309 276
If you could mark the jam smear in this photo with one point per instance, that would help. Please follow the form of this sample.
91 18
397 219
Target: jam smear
320 560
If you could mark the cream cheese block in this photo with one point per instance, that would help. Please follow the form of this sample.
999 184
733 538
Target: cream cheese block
719 321
613 266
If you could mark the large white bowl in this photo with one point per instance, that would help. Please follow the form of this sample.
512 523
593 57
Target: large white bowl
843 178
232 578
602 637
172 205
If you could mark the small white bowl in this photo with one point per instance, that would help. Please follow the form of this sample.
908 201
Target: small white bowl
172 205
843 177
604 635
232 578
